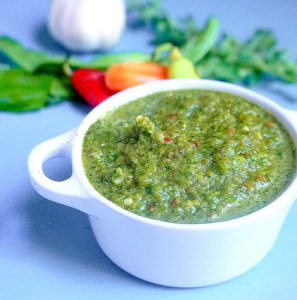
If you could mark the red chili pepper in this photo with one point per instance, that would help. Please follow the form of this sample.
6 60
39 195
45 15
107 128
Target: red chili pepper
90 85
196 143
166 139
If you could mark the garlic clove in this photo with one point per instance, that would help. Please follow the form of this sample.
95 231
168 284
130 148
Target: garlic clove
87 25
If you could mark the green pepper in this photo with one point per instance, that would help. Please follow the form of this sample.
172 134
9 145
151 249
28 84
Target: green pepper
180 66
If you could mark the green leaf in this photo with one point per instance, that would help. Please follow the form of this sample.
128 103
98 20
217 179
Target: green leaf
141 13
21 91
152 15
200 44
32 61
60 88
261 40
103 61
216 68
27 60
249 62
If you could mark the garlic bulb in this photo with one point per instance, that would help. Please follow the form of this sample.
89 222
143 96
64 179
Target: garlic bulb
87 25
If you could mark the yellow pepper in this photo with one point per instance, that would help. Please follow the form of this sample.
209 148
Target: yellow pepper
180 66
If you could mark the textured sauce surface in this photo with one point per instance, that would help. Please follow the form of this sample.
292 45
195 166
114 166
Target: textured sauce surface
189 156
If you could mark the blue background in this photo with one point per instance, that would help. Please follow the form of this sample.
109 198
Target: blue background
47 251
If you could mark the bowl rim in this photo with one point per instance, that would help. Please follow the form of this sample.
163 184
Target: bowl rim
180 84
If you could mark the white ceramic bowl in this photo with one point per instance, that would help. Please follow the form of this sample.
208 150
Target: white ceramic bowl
179 255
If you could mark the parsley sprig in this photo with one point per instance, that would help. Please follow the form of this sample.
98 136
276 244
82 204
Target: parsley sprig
216 56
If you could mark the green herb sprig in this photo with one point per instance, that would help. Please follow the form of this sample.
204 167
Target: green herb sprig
31 80
216 57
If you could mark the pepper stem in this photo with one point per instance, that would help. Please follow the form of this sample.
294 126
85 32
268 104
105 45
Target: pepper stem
161 53
175 53
66 67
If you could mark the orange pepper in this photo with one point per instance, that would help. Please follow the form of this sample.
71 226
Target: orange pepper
127 74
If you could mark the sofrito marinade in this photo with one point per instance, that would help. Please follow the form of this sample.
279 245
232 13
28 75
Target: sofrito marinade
189 156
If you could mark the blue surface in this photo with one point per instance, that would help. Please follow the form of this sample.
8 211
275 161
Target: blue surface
47 251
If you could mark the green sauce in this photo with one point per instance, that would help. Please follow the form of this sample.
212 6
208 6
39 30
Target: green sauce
190 156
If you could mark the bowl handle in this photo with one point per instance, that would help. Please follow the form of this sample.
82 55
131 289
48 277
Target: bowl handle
68 192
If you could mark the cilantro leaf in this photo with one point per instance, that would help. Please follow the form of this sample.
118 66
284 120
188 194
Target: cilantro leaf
28 60
248 62
21 91
150 14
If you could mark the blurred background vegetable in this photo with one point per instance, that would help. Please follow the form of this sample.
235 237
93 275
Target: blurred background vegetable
180 66
125 75
21 91
216 56
90 85
31 79
87 25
